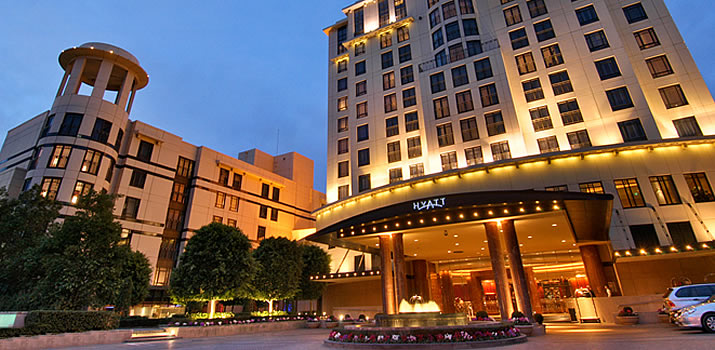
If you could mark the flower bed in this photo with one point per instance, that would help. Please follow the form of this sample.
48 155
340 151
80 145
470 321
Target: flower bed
426 335
232 321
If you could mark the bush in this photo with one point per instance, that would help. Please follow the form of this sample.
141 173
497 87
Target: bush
72 321
482 314
517 314
140 321
205 315
27 331
539 318
268 314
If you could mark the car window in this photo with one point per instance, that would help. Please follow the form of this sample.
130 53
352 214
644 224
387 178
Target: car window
685 292
703 291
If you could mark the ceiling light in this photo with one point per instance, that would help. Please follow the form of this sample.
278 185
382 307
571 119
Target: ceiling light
554 225
455 236
417 240
530 237
563 241
456 244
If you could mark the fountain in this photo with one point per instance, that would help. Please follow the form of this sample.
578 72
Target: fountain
417 313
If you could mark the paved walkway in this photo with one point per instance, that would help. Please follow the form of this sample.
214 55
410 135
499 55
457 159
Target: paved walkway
558 337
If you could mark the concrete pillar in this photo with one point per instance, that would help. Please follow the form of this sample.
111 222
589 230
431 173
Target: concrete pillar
388 281
400 271
533 290
420 270
521 286
102 79
75 79
476 291
126 90
496 253
594 269
445 284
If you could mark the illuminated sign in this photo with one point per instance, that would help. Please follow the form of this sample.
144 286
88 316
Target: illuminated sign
428 204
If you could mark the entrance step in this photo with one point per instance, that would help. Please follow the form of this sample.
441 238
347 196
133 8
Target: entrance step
151 335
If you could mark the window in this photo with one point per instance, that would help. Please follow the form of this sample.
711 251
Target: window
560 83
659 66
644 236
525 63
265 190
540 118
635 13
392 126
452 30
405 53
70 125
417 170
646 38
362 133
364 157
342 65
406 75
586 15
390 103
536 7
342 84
699 187
665 190
342 37
632 130
682 234
237 179
434 18
470 27
548 144
274 214
395 175
414 147
220 200
473 155
460 76
403 33
512 16
552 56
483 69
495 123
342 146
276 196
630 193
437 39
441 108
412 123
364 182
178 193
47 126
91 162
386 59
360 68
393 152
361 88
261 233
233 204
385 40
174 220
687 127
607 68
162 276
474 47
138 178
145 151
518 39
343 124
532 90
223 175
449 160
673 96
596 41
619 98
50 187
342 103
500 151
440 58
444 135
101 130
464 102
456 52
408 98
358 21
384 12
131 208
592 187
579 139
544 30
570 112
263 212
343 169
231 222
469 129
488 94
558 188
361 111
400 9
466 7
26 184
388 81
343 192
449 10
184 167
60 156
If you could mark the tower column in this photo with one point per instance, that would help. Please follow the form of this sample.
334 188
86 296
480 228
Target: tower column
501 280
388 282
594 269
75 76
421 272
476 291
400 270
516 265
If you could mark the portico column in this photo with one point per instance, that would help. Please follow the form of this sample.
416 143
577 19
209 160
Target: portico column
476 291
521 287
400 271
445 283
501 281
533 290
387 278
421 273
594 269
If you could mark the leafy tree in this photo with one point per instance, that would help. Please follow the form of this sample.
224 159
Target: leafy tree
280 262
315 261
216 265
134 277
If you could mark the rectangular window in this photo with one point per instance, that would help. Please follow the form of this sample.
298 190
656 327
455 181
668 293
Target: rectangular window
544 30
174 220
483 68
359 49
687 127
536 8
265 190
390 103
466 7
131 208
237 180
512 16
632 130
343 169
412 123
360 68
558 188
342 65
184 167
456 52
404 53
464 102
70 125
495 123
673 96
403 33
60 156
630 193
417 170
548 144
385 39
361 88
488 94
619 98
635 13
342 38
500 151
343 124
525 63
440 58
570 112
343 192
449 10
364 157
392 126
592 187
342 146
659 66
233 204
393 152
474 47
681 233
220 200
665 190
145 151
362 132
409 98
406 75
552 55
342 103
434 18
364 183
532 90
223 175
470 27
383 8
560 83
699 187
579 139
607 68
388 81
263 212
540 118
231 222
395 175
361 111
47 126
646 38
449 160
586 15
358 21
473 155
459 76
138 178
50 187
444 135
597 41
441 108
414 147
90 163
101 130
261 233
178 193
437 39
400 10
518 39
274 214
387 60
469 129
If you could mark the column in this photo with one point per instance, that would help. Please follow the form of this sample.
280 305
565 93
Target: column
421 273
476 291
445 284
594 269
75 79
400 269
388 281
521 287
496 253
533 290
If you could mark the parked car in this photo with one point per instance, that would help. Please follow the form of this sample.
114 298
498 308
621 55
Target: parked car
698 316
677 298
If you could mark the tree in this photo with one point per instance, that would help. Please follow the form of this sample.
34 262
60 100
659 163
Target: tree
134 276
315 261
216 265
280 264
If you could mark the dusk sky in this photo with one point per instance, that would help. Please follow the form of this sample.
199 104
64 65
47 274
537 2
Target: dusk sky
229 75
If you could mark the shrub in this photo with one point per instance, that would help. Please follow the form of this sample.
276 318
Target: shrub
72 321
268 314
205 315
27 331
482 314
627 311
517 314
539 318
141 321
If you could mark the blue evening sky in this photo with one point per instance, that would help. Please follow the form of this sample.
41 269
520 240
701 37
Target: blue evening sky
229 75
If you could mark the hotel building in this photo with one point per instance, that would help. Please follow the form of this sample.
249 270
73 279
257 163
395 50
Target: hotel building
492 151
167 188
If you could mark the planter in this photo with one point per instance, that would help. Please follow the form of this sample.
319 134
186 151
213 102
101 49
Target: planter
663 318
627 320
330 324
313 324
525 329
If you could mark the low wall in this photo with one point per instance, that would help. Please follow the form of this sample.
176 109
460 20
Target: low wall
12 319
223 331
66 340
645 305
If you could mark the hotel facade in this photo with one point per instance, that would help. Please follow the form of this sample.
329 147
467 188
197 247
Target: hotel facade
167 187
514 154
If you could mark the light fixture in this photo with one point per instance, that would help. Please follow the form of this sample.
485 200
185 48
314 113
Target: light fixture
456 243
461 216
506 211
409 223
449 252
422 221
529 237
673 249
521 210
417 240
554 225
455 236
448 218
434 219
538 208
483 248
491 212
563 241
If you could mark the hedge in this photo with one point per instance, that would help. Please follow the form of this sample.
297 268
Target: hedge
72 321
140 321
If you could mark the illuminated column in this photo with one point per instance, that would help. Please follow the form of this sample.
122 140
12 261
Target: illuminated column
476 291
594 269
501 281
400 269
521 286
421 272
445 284
388 282
533 290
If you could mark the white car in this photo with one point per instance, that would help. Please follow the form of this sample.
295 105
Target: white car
698 316
679 297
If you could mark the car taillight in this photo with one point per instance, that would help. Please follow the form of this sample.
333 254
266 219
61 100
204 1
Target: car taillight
670 303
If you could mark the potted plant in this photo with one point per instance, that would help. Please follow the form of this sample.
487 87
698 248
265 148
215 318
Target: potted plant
313 322
522 323
330 322
482 316
626 316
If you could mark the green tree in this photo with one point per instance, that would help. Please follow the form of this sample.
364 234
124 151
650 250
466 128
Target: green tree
216 265
315 261
135 276
280 263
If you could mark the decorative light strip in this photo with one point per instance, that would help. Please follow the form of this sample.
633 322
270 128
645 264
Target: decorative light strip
343 275
700 246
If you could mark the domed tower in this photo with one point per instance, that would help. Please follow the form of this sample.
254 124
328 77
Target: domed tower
79 143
